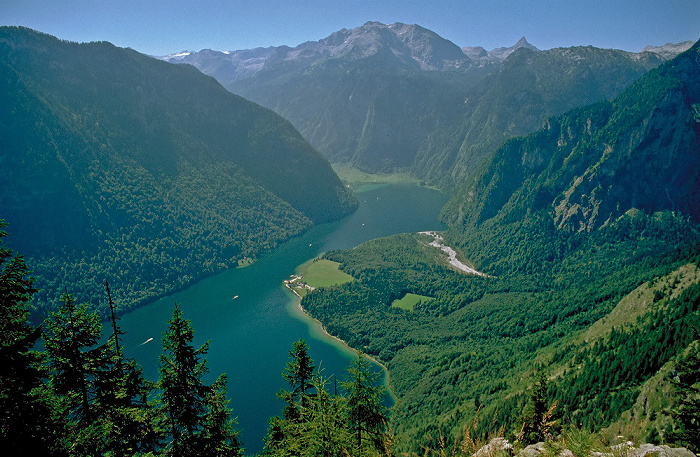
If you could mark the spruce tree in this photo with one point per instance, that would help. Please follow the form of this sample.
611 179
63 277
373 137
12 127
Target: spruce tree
197 415
25 414
325 423
366 414
299 374
220 438
72 335
686 400
321 428
122 400
183 391
538 422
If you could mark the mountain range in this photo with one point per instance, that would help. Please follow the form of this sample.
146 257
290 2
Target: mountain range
588 234
122 167
399 97
574 176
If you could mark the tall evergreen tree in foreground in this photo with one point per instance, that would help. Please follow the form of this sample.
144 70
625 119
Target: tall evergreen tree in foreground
219 438
320 429
195 413
366 414
72 335
25 415
686 407
122 399
316 423
538 422
299 374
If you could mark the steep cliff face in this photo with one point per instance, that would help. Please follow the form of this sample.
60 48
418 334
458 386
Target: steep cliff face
654 166
591 165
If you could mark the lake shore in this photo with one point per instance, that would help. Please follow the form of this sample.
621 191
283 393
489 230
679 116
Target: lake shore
342 344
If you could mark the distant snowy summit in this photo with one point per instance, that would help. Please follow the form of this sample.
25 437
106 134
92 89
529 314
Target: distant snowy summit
393 46
406 45
225 66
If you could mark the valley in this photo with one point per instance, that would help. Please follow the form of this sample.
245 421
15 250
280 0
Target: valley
265 319
400 98
512 236
563 246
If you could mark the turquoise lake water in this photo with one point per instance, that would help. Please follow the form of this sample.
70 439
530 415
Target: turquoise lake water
251 335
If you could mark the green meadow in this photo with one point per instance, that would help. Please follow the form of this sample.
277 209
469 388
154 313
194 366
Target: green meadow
409 301
323 273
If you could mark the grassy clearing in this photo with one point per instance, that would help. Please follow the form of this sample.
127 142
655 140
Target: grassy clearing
323 273
642 300
355 178
409 301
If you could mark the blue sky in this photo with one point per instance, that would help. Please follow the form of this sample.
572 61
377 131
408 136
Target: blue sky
159 27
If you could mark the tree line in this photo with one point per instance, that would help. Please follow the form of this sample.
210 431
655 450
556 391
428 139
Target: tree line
74 395
478 340
65 392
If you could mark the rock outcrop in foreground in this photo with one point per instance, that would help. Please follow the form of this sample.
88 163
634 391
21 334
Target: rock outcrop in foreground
501 447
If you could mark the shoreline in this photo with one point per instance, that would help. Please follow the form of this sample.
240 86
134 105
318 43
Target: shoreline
342 343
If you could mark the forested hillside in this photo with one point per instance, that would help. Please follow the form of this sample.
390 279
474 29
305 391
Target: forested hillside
597 211
124 176
527 88
122 167
400 97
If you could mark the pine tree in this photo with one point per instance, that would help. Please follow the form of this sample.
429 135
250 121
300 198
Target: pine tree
220 437
321 428
686 400
182 368
129 419
25 414
538 422
366 414
325 425
72 335
131 425
197 415
298 373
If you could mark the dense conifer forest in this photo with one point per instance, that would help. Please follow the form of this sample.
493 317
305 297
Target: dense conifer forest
582 325
116 165
76 394
565 223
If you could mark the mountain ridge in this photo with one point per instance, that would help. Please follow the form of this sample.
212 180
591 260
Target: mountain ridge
115 162
567 222
386 98
333 45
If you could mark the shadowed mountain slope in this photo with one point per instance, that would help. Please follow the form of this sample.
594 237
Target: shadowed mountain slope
149 173
399 97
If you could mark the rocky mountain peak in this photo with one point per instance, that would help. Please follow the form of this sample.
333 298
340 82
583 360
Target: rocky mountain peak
503 53
669 50
497 54
410 43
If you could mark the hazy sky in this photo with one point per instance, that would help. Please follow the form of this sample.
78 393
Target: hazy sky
159 27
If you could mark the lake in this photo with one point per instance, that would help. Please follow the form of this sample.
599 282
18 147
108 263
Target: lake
252 320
